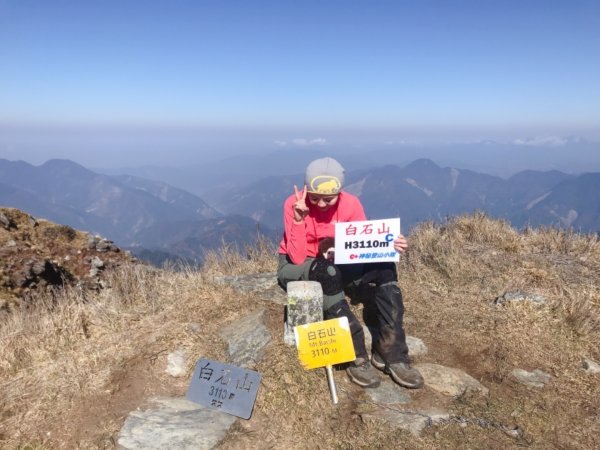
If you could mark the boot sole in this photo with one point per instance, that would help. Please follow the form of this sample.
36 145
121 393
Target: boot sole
362 383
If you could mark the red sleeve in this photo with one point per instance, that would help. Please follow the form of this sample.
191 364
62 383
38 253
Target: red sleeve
295 234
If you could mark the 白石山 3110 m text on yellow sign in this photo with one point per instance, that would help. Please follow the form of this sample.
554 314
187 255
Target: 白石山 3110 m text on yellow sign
325 343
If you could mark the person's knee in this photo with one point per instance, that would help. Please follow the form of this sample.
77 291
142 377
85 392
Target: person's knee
328 275
380 274
287 272
387 276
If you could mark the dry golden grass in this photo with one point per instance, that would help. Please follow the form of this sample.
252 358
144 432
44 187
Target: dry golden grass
450 278
257 258
72 367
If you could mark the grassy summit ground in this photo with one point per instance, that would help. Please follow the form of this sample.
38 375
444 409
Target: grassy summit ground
72 367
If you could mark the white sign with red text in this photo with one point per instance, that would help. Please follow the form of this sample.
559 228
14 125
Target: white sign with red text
366 241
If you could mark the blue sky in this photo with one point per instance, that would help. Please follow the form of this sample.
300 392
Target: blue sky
128 74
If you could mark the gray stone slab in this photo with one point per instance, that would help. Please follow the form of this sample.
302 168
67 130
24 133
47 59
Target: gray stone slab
520 297
412 421
247 339
174 423
591 366
537 378
263 285
449 380
388 393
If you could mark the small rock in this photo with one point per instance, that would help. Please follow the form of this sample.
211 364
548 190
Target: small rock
177 363
11 243
515 433
105 246
591 366
194 327
514 297
38 267
92 241
5 221
537 378
97 263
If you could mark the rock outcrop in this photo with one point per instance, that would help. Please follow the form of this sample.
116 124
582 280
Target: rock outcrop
174 423
37 255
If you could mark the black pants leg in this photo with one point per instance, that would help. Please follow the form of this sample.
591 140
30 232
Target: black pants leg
391 342
383 305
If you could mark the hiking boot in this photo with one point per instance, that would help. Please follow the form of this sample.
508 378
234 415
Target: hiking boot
362 373
401 372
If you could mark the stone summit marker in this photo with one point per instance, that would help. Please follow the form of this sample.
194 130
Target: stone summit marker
305 305
224 388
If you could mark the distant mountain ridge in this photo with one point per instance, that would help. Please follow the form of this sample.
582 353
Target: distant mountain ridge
121 207
157 219
569 154
422 190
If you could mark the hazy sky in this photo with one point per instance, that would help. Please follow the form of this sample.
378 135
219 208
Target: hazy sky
179 78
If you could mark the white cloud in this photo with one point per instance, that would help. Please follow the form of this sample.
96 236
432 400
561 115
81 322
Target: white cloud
302 142
403 142
542 141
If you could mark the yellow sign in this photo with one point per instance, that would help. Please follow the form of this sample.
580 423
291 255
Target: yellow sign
324 343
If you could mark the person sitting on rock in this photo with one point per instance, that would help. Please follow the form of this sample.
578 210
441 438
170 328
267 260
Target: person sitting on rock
309 217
